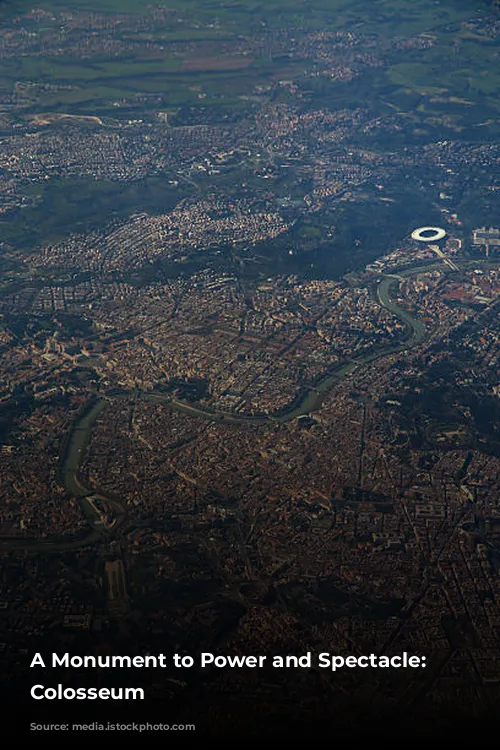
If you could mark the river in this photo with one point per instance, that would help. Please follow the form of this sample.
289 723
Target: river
307 403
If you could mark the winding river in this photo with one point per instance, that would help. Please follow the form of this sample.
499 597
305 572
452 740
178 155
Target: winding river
308 402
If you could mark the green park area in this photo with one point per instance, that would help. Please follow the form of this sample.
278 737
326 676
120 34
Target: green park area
187 63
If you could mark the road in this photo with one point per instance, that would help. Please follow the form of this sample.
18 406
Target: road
309 402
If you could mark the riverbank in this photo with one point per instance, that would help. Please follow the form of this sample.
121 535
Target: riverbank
307 402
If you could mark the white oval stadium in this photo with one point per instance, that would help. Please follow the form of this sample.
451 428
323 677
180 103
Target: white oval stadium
428 234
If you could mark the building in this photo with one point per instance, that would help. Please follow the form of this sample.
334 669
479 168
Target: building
486 238
428 234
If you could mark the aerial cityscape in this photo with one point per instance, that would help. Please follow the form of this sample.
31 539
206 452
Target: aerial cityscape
250 354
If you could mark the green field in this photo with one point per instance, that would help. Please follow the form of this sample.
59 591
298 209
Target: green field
211 62
97 81
180 63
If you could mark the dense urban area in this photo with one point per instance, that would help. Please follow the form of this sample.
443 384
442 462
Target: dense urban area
242 408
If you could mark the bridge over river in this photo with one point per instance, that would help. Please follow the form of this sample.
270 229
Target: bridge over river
308 402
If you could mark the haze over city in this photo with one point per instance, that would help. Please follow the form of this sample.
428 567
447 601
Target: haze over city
249 359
